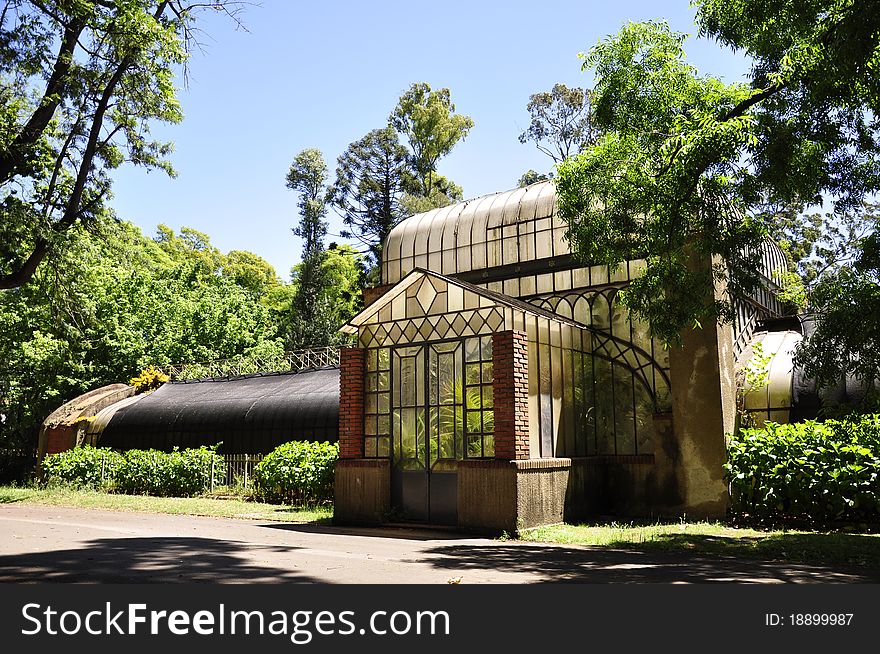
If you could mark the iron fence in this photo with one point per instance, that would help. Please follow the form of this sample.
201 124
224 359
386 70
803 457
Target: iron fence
240 468
307 359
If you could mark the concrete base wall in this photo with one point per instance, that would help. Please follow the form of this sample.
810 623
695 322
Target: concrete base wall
497 496
362 492
541 488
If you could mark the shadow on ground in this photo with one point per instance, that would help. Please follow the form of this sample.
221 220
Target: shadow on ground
148 560
832 549
557 563
405 532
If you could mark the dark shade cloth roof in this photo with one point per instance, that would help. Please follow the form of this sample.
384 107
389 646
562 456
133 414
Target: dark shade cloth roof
251 414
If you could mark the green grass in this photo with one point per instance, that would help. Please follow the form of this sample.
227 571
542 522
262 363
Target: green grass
203 506
719 539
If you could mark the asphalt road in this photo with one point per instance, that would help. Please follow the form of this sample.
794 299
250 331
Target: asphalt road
55 544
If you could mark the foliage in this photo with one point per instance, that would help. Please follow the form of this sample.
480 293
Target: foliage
432 128
110 303
81 83
531 177
847 336
753 377
298 472
816 95
635 193
815 471
835 275
560 124
148 380
82 467
168 474
310 321
684 161
373 176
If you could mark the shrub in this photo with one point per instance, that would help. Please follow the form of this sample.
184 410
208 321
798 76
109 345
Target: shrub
82 467
821 472
169 474
149 380
299 472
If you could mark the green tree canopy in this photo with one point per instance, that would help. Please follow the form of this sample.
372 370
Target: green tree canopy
373 176
684 160
561 124
112 302
428 121
659 182
80 83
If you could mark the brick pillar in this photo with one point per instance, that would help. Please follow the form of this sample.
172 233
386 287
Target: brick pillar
352 364
510 362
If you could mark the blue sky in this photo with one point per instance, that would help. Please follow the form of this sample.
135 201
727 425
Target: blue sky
323 74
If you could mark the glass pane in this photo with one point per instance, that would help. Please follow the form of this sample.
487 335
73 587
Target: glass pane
372 403
408 436
383 446
473 374
371 359
384 405
473 422
372 380
383 425
600 313
472 349
604 408
488 422
434 440
384 359
407 381
644 420
446 433
474 446
369 447
370 425
384 381
488 375
624 415
486 348
488 396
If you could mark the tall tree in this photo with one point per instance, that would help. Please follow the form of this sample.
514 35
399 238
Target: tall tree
311 323
432 128
373 176
80 84
561 124
683 160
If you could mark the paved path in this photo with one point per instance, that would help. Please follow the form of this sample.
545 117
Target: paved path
39 543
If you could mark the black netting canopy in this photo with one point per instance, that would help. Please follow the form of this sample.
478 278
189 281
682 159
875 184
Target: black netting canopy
248 414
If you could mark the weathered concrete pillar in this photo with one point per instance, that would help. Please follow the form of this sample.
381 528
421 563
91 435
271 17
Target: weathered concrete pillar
703 409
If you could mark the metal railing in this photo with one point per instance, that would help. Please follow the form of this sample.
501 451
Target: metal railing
240 468
308 359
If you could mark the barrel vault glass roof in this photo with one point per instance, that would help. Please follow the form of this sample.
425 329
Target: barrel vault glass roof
502 228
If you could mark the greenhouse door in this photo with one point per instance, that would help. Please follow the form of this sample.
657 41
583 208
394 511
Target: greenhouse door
427 419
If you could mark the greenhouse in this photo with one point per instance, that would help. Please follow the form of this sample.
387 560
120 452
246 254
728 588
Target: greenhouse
249 414
498 384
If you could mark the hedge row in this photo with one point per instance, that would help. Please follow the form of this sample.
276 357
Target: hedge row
814 471
299 472
143 472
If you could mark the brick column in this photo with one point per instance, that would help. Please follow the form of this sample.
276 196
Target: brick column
510 362
352 364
